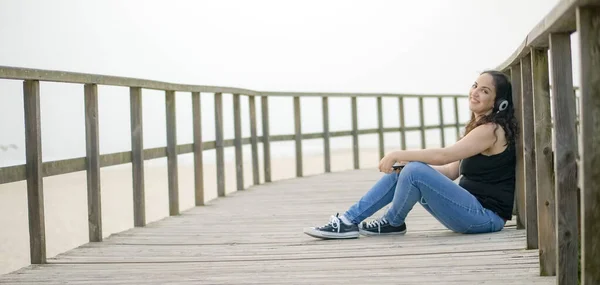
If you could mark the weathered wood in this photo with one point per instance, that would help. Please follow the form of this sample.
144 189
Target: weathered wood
254 140
198 149
441 114
219 144
402 123
35 183
265 138
380 126
237 141
172 168
544 162
298 136
515 74
528 135
326 143
565 167
588 26
422 123
92 150
456 118
137 156
355 150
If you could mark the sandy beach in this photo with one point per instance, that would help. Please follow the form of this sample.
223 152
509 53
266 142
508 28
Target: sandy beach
66 199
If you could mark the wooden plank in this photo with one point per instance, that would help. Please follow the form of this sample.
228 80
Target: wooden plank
219 144
528 135
565 166
239 156
254 140
265 138
441 114
326 145
456 118
298 136
198 149
380 126
515 73
137 156
422 123
35 183
92 150
355 149
172 168
544 162
402 123
588 26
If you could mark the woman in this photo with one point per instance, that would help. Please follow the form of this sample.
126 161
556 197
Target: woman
485 157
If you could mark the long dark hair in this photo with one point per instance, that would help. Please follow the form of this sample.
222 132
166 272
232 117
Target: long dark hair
505 118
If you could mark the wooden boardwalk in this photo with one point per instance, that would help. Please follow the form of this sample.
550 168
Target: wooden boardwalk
255 237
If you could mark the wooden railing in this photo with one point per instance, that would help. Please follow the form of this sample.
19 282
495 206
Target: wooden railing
548 174
35 169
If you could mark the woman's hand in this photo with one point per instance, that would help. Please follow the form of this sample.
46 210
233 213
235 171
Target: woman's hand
386 163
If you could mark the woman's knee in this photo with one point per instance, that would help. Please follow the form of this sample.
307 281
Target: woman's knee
414 167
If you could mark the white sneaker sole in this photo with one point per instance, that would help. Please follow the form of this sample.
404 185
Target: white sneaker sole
368 233
326 235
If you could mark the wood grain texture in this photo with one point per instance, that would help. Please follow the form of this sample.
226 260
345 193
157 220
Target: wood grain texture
92 150
326 141
219 144
268 247
298 136
254 140
528 135
544 162
515 75
198 149
266 138
35 183
172 162
588 26
237 141
565 167
137 156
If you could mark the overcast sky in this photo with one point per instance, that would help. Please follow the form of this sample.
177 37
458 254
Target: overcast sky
349 46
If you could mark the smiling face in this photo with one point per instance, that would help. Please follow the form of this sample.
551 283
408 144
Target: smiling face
482 95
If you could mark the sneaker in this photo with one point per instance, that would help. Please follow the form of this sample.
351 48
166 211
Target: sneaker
381 226
335 229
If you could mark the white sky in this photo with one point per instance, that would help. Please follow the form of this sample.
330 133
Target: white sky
435 47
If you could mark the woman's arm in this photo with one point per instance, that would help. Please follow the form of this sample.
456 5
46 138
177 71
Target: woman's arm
450 170
477 141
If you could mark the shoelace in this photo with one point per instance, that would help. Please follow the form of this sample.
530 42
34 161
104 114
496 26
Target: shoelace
377 223
334 221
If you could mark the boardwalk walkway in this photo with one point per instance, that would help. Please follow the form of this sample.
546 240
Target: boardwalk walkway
255 237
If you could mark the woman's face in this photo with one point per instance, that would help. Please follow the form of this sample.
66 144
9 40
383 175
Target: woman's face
482 95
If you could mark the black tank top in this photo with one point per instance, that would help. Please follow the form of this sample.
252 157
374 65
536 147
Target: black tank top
491 179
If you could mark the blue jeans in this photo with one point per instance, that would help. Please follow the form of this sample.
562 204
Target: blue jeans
452 205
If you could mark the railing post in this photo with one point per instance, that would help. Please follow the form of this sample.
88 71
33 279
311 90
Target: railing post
137 157
239 158
92 149
266 142
355 151
422 123
544 162
380 126
588 20
35 183
402 124
326 146
456 119
172 171
515 74
219 144
528 135
298 136
254 140
198 149
565 166
441 110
